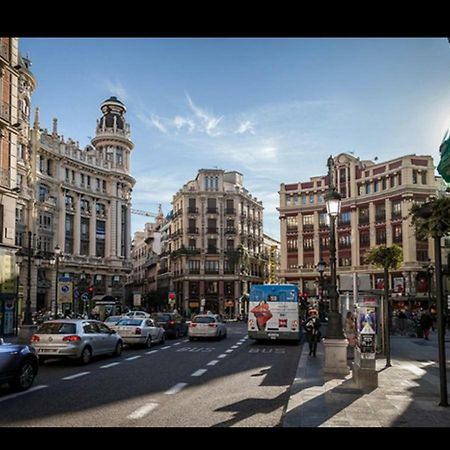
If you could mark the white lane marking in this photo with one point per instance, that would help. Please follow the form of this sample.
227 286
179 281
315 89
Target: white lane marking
150 352
143 411
107 366
18 394
178 343
186 340
222 355
167 346
229 351
133 357
199 372
81 374
235 346
176 388
213 363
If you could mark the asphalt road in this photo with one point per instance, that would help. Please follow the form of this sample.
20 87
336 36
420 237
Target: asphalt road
232 382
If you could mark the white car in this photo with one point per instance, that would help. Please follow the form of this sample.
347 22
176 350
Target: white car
208 326
137 314
137 330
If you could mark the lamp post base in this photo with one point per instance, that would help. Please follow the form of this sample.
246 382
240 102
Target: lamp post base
335 356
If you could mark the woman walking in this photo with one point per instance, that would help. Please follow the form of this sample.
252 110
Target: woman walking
313 334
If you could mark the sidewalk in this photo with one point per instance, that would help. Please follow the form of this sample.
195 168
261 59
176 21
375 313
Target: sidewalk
407 395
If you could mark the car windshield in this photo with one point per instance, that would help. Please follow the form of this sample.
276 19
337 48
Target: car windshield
57 328
204 319
112 319
163 317
130 322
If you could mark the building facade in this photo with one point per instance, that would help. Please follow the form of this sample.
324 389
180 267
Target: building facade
376 199
79 200
216 242
272 256
10 137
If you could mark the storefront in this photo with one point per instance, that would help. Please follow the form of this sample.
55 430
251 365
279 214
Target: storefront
8 293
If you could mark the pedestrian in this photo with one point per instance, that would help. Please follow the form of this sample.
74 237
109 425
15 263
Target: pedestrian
402 322
350 329
312 328
425 324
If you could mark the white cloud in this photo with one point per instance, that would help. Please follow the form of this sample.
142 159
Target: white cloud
181 122
156 122
208 122
244 127
117 89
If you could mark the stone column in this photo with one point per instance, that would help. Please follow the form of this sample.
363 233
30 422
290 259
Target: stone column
283 230
354 237
389 237
77 225
372 224
93 227
299 240
60 238
408 236
108 232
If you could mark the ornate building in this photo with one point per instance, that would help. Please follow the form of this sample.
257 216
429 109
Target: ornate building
80 202
10 139
216 242
376 199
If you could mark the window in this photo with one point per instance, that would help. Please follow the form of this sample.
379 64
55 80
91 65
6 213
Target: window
424 177
344 218
68 248
230 244
367 188
308 221
292 223
376 186
308 243
380 211
20 151
364 238
194 266
380 236
399 178
45 221
311 198
84 241
396 209
345 240
211 266
324 241
82 179
67 175
303 199
212 245
43 192
363 216
100 234
211 287
414 176
291 244
392 181
324 220
192 244
69 201
295 199
383 184
211 206
288 200
19 213
119 156
397 234
100 208
84 206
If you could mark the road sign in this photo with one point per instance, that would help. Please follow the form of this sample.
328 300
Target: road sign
85 297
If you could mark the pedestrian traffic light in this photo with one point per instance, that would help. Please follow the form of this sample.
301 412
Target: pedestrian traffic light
90 291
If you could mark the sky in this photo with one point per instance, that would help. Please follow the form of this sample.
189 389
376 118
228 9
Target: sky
273 109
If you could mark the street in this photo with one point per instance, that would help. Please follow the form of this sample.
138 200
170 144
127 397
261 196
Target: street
232 382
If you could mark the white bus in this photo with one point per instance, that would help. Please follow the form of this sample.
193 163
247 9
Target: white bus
274 312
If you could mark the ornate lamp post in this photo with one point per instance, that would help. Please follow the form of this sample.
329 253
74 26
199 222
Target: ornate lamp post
321 268
430 271
335 344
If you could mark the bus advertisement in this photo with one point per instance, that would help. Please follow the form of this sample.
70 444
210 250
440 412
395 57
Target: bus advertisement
274 312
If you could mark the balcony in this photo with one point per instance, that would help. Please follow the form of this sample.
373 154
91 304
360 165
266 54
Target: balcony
212 230
211 210
230 211
292 229
192 210
211 271
212 250
363 220
194 271
230 230
5 111
192 231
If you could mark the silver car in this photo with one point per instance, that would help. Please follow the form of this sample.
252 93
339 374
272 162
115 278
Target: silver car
139 330
76 339
207 326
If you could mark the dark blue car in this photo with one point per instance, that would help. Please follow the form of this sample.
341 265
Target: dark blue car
18 365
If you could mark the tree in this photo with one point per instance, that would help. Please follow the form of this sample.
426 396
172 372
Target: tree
432 219
387 258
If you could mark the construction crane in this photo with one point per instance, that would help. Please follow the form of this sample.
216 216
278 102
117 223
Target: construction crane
141 212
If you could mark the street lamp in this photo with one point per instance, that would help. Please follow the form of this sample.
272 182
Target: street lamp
333 202
321 268
58 254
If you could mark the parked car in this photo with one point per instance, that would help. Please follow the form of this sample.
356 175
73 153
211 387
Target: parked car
174 324
208 326
136 314
140 331
111 321
19 365
76 339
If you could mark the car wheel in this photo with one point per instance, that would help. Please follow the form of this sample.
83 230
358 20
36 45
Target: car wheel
86 356
148 342
118 350
25 377
163 338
